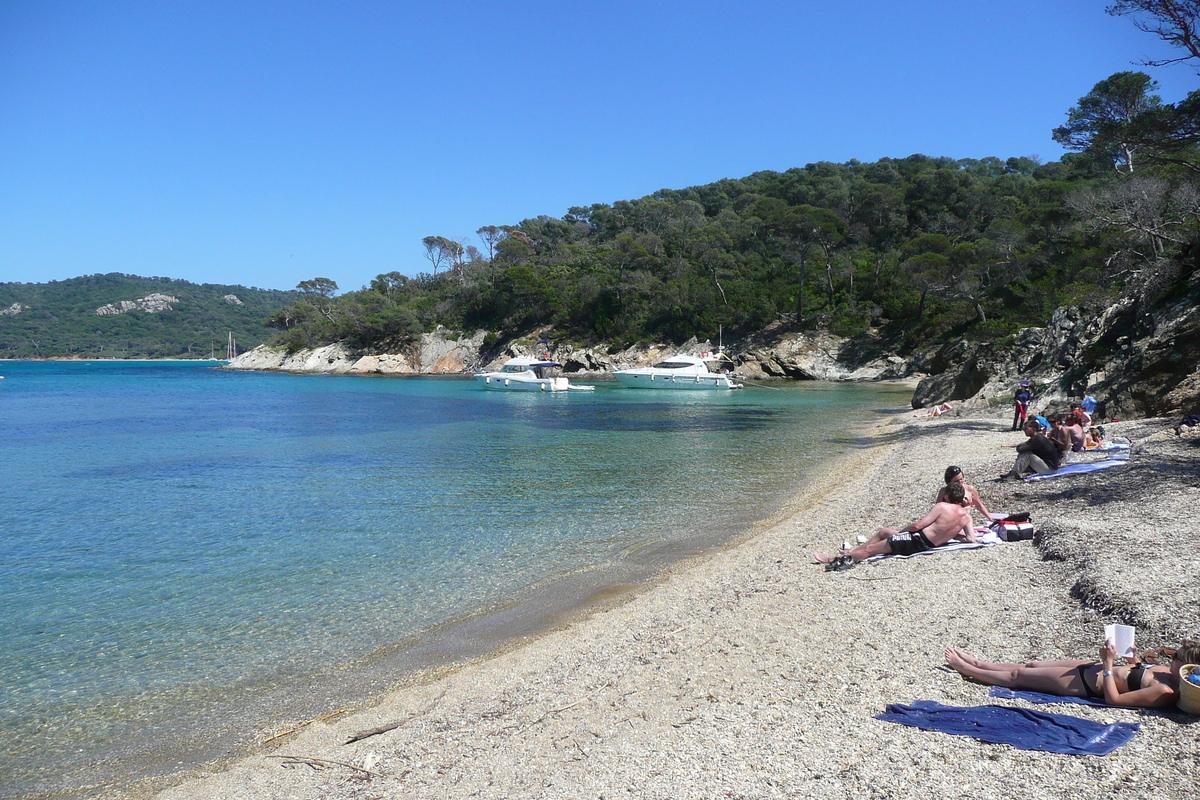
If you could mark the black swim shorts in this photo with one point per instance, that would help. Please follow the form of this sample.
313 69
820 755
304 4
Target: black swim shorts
905 544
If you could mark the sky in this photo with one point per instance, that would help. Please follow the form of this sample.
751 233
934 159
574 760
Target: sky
263 143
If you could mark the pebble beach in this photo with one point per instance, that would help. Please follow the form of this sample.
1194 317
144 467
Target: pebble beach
751 672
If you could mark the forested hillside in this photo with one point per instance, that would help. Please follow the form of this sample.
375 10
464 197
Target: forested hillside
916 249
139 317
912 250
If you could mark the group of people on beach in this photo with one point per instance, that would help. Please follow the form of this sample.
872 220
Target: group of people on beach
1051 441
1137 683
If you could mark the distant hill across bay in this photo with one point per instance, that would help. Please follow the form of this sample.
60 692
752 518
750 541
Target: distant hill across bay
126 316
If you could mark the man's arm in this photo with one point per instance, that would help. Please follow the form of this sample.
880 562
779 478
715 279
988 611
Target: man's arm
924 522
967 534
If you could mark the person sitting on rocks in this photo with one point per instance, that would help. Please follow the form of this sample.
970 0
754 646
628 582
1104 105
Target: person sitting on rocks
1061 438
1078 411
945 521
1075 431
1135 685
970 493
1093 438
1035 454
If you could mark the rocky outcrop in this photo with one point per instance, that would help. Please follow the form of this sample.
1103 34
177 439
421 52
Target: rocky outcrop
438 353
154 303
816 355
233 300
773 354
13 310
1135 364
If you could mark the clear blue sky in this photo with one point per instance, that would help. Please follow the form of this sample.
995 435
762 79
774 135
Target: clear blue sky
264 143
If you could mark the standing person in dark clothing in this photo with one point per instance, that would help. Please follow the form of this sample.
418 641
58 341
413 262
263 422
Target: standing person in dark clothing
1021 405
1036 454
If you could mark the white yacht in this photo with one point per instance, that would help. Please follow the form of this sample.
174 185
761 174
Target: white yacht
677 372
524 374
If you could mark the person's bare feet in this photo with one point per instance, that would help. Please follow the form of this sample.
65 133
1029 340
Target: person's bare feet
821 558
954 657
967 658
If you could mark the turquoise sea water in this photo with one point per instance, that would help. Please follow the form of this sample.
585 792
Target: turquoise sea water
190 555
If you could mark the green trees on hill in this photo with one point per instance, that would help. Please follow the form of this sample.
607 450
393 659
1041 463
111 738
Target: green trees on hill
915 248
919 246
39 320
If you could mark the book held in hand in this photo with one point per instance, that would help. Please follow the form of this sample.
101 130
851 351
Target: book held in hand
1122 637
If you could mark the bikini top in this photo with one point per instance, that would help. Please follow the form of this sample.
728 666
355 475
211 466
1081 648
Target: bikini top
1135 677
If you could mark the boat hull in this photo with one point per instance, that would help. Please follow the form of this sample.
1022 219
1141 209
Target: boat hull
642 380
509 383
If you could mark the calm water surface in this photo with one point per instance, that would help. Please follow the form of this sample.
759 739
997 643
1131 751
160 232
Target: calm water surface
190 556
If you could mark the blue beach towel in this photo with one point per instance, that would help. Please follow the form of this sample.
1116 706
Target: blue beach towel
1077 469
1023 728
1042 697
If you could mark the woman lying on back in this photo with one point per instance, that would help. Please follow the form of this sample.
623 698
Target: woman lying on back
1136 685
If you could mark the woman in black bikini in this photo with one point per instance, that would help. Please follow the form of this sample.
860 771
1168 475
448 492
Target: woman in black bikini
1137 685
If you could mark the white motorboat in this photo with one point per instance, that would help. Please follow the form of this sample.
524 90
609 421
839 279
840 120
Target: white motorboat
677 372
524 374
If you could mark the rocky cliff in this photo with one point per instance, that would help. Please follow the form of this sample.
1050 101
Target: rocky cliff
1135 363
439 353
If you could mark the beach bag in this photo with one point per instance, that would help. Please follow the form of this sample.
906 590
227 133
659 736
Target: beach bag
1189 692
1012 530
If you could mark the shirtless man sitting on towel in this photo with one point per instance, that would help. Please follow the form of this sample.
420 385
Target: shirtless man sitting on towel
945 521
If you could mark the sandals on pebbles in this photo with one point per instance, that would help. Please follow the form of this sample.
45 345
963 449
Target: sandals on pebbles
840 564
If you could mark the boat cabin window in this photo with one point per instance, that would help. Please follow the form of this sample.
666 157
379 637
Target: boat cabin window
514 368
672 365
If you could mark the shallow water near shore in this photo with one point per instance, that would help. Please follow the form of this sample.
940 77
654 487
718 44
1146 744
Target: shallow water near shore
192 555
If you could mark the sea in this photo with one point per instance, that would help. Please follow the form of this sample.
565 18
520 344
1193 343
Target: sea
193 559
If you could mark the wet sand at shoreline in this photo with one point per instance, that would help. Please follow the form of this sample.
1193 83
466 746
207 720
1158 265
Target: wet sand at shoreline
752 672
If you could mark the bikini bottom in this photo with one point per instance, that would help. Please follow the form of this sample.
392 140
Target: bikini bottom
1087 687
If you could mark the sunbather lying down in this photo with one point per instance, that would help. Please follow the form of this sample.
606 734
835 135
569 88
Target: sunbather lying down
946 520
936 411
1137 684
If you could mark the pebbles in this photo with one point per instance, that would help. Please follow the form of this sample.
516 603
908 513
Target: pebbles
756 674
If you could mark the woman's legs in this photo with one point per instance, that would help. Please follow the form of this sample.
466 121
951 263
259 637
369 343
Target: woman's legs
970 659
1051 677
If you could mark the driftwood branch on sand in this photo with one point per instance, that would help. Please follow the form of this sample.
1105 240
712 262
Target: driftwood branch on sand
312 761
391 727
305 724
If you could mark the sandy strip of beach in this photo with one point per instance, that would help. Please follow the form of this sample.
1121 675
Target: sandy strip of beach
754 673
